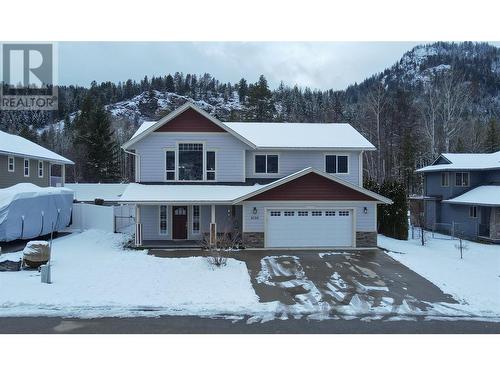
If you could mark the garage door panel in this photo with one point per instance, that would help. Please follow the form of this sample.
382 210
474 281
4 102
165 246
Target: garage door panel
314 229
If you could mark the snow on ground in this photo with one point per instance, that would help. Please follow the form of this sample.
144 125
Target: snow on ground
473 280
93 276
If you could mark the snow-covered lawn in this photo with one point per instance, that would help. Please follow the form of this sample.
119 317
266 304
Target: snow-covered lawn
93 276
473 280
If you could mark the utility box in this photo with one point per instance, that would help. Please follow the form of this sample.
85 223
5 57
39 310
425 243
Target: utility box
45 273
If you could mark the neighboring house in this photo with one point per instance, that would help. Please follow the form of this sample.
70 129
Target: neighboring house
24 161
278 185
462 195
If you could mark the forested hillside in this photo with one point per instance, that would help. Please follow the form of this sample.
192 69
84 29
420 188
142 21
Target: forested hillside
437 98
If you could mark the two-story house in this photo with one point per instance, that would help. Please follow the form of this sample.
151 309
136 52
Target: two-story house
462 195
277 185
24 161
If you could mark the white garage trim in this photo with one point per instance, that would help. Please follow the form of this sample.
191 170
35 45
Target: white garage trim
352 210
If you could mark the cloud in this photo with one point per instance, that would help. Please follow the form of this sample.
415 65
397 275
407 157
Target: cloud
315 64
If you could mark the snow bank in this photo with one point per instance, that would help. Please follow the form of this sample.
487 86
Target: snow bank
93 276
473 280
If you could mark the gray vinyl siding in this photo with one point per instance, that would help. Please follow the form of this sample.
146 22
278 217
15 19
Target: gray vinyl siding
8 179
223 217
150 219
458 215
433 184
229 154
150 216
255 223
296 160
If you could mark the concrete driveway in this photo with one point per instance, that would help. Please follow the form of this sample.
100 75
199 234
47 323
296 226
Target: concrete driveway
340 284
363 283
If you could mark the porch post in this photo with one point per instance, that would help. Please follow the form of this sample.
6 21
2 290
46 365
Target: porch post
63 174
138 226
213 226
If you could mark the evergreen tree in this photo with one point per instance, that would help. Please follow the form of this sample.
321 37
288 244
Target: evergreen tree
95 141
169 83
492 142
260 98
242 90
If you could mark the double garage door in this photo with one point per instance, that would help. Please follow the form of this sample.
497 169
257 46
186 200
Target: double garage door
309 228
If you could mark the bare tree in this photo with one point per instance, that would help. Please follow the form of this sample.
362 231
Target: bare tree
455 96
376 100
429 112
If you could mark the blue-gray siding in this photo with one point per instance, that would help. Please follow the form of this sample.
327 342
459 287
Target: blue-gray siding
293 161
229 154
226 223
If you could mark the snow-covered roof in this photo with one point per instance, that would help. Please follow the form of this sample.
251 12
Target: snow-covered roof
301 135
91 192
273 135
229 194
487 195
185 193
144 126
11 144
465 161
27 190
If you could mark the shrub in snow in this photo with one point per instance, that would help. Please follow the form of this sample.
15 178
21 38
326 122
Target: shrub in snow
218 252
461 246
36 253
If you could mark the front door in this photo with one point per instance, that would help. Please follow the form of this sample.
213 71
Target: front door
179 223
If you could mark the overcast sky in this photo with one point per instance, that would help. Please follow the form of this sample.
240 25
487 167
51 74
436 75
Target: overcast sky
318 65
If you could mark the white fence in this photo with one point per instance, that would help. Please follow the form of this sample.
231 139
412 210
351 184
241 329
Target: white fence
91 216
107 218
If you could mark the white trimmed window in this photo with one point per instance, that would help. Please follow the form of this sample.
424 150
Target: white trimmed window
329 213
11 164
337 164
473 211
445 179
40 168
266 163
316 213
462 179
343 213
289 213
26 167
170 165
275 213
163 218
211 165
303 213
196 219
190 162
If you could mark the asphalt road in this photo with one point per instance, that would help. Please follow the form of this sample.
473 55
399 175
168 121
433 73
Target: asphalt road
183 324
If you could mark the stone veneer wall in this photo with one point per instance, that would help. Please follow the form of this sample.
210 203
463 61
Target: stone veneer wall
253 239
366 239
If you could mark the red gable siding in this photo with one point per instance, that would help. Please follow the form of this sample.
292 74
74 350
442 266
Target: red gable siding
311 187
190 121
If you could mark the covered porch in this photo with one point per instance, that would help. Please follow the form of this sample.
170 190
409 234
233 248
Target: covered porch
185 226
481 206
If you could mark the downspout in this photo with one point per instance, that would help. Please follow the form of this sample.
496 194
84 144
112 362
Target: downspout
137 164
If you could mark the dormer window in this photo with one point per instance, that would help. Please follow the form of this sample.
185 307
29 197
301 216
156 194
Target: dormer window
462 179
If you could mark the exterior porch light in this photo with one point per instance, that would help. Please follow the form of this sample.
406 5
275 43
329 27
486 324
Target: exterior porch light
365 210
254 211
